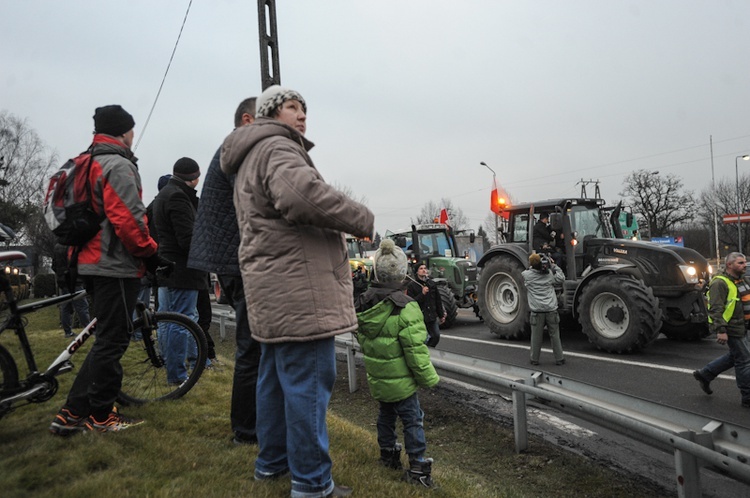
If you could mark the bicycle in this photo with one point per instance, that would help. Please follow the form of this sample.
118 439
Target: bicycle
144 371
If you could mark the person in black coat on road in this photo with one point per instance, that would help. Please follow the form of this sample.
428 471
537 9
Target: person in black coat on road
424 290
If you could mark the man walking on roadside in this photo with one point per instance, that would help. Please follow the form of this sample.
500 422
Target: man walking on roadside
216 240
727 320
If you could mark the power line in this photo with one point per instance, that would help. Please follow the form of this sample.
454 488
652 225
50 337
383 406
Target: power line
174 50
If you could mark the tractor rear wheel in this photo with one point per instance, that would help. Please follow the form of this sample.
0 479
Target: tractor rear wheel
619 314
502 298
449 305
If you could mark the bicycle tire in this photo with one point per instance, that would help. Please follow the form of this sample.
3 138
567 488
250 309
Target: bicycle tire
144 377
9 380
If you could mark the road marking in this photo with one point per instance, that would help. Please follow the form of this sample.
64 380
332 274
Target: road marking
581 355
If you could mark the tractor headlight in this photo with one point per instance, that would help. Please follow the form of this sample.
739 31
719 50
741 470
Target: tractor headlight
690 274
710 270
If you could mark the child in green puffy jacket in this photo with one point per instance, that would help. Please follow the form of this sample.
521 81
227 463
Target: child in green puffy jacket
392 335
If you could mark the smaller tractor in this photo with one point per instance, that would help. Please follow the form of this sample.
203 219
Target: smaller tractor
434 244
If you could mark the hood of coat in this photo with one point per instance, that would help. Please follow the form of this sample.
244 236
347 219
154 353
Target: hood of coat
378 304
241 141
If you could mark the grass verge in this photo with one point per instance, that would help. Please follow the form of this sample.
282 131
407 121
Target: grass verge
184 448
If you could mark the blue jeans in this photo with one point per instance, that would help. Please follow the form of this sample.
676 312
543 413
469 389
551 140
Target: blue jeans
81 307
433 333
412 417
176 343
737 357
295 380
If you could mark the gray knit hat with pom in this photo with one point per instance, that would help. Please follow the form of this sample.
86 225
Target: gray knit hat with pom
390 263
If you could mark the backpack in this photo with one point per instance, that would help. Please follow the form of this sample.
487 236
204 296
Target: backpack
67 205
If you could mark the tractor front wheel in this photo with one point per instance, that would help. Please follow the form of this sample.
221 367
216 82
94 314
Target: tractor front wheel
619 314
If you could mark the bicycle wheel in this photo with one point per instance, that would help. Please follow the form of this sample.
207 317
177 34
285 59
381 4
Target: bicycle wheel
9 379
144 365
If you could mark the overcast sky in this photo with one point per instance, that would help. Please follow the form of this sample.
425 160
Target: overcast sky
405 98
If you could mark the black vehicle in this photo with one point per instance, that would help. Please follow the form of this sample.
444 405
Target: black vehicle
623 292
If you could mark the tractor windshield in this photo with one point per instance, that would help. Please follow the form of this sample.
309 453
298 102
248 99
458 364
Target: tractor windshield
588 222
435 244
354 248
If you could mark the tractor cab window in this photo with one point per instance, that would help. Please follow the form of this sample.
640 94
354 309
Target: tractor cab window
521 227
435 244
588 222
353 249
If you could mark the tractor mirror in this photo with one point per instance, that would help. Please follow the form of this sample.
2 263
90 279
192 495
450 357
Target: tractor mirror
556 221
401 241
629 219
472 237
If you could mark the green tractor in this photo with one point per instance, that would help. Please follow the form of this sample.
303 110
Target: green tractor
623 292
434 244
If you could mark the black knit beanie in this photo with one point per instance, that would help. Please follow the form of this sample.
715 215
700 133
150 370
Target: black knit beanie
112 120
186 169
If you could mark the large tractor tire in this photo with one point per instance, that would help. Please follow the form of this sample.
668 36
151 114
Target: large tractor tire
619 314
502 298
449 305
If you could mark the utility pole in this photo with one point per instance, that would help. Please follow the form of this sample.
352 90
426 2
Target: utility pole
269 44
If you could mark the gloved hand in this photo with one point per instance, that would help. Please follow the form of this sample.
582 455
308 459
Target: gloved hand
553 233
156 265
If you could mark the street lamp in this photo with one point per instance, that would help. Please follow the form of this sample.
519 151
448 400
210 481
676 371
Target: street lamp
737 184
494 185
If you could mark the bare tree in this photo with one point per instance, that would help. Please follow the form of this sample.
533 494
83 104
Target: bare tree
25 170
725 199
431 210
347 191
659 200
489 227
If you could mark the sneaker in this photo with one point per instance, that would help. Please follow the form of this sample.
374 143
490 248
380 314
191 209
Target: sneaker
69 334
419 473
114 422
705 384
340 491
561 362
534 362
66 423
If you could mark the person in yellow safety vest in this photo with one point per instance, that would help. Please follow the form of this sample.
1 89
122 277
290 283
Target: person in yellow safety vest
728 321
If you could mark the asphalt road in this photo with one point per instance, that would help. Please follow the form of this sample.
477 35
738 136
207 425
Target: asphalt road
662 372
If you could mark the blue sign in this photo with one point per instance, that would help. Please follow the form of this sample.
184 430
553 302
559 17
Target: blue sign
669 241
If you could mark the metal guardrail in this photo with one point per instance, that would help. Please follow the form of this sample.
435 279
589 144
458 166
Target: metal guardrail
695 440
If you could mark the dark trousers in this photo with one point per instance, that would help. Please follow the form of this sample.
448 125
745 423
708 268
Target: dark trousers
205 315
247 360
99 379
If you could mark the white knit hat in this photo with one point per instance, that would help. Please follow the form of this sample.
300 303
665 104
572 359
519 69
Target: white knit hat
273 97
390 263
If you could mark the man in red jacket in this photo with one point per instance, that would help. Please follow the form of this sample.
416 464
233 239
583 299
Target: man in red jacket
111 265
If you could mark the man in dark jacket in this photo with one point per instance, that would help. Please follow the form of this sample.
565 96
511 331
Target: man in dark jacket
216 240
424 290
174 216
727 319
543 236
